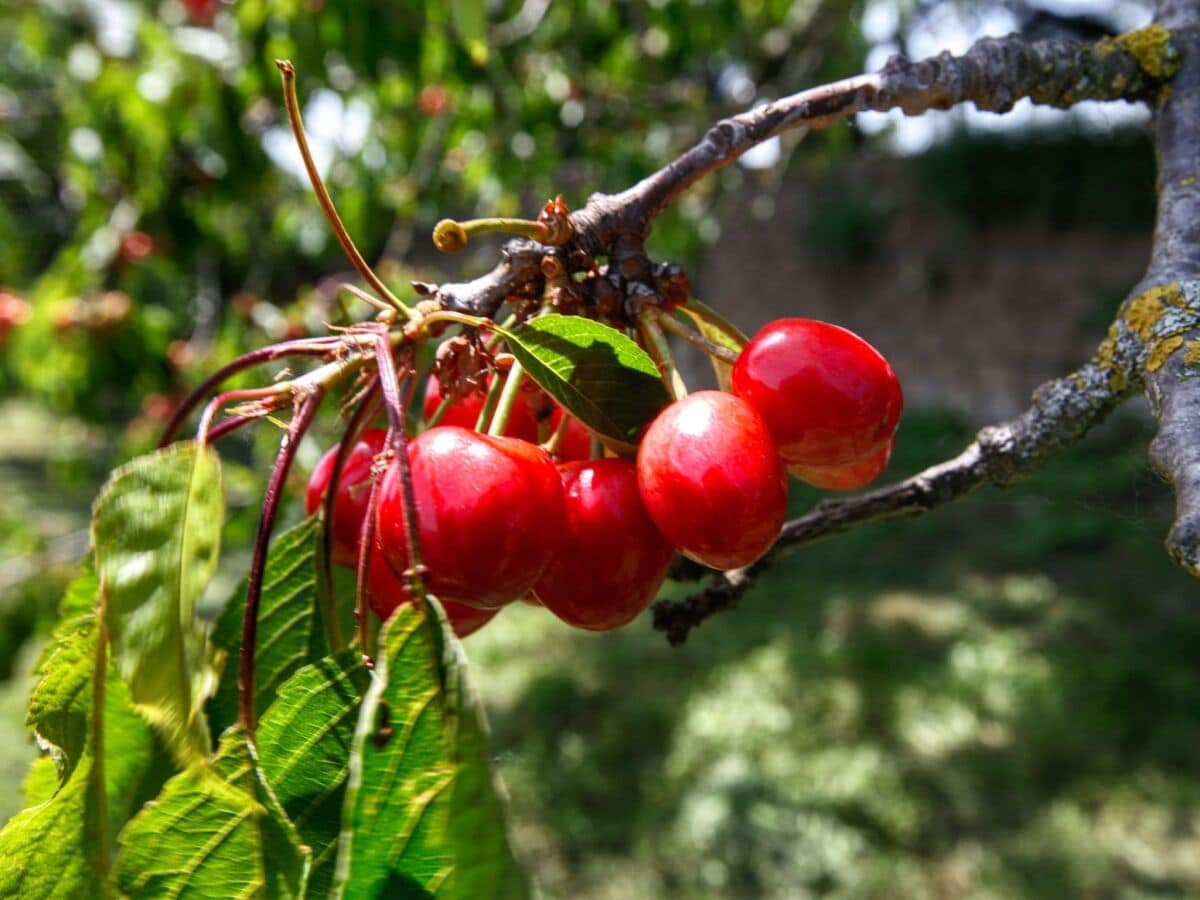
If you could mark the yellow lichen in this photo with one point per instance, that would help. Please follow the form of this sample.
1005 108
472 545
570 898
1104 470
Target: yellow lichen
1191 353
1188 181
1161 351
1147 308
1151 47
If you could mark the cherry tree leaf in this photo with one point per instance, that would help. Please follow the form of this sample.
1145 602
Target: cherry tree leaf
214 831
422 814
286 616
96 772
304 743
156 530
717 335
599 374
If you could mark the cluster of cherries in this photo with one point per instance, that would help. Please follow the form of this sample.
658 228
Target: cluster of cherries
591 539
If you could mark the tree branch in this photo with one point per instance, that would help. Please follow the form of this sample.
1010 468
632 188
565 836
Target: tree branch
993 74
1154 343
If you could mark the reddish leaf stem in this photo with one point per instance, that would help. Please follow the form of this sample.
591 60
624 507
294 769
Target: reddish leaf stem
262 539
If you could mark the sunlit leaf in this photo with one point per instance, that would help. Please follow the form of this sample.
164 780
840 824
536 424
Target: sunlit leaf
599 374
304 743
60 847
422 816
156 529
214 831
286 616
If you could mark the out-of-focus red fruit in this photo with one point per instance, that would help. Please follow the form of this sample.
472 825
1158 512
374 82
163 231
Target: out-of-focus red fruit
849 477
386 591
135 247
711 479
14 312
464 412
490 512
202 12
827 396
354 490
433 99
612 560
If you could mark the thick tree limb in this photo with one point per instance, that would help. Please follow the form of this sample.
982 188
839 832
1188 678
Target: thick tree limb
993 74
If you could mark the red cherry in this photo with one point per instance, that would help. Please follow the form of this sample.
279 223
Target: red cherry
385 592
712 480
354 490
849 477
464 412
612 560
828 397
576 443
490 509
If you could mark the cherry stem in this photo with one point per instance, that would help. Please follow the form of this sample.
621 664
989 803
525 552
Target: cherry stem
274 392
292 103
508 399
660 351
262 538
489 403
442 408
446 315
301 347
450 236
366 543
710 316
668 322
396 401
354 428
551 446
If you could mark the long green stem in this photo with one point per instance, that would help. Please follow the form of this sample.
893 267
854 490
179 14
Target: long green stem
710 316
668 322
489 403
292 103
660 351
508 398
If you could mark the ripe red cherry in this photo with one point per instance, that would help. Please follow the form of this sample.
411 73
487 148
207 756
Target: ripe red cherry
712 480
464 412
828 397
490 509
849 477
612 560
354 490
385 592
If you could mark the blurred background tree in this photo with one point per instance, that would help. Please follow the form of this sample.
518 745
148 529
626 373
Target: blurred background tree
998 701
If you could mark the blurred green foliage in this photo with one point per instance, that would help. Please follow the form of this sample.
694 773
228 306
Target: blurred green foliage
129 119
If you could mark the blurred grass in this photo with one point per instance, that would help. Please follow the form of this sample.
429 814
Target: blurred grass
997 700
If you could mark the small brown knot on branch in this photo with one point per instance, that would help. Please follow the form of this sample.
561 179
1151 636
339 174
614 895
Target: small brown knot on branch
556 222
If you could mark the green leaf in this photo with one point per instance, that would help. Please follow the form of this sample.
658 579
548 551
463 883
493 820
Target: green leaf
422 814
470 21
599 374
285 623
214 831
717 335
156 529
60 847
304 743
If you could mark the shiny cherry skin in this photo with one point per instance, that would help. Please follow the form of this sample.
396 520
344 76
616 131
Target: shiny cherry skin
490 509
613 559
354 490
849 477
828 397
711 479
386 591
464 412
